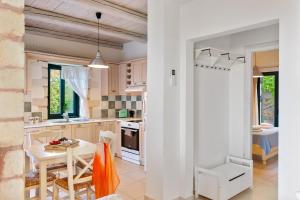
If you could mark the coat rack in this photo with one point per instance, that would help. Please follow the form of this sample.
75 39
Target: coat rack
216 59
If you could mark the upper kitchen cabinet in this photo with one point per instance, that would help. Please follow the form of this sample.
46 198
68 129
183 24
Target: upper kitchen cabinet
104 82
110 80
117 78
113 79
139 72
122 78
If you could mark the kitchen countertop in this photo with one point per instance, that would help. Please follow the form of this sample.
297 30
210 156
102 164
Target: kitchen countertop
50 123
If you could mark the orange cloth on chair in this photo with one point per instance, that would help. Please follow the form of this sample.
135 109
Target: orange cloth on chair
105 177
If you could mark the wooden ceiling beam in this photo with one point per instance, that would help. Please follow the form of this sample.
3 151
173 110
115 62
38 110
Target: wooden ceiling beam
114 9
71 37
56 18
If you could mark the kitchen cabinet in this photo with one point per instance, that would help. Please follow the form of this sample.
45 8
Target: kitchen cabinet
31 131
118 139
113 126
142 143
144 71
110 80
104 82
109 126
86 131
122 78
65 129
139 72
82 131
113 79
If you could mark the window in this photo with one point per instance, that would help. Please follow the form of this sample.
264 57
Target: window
61 97
267 89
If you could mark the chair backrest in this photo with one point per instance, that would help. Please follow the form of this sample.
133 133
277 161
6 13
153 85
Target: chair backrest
80 177
108 137
45 136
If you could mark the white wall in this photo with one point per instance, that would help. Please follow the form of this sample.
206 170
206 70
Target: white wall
134 50
239 42
70 48
163 166
198 19
211 116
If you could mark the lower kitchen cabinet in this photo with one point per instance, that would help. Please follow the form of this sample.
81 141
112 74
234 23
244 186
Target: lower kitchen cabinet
142 143
88 132
83 132
112 126
118 139
66 130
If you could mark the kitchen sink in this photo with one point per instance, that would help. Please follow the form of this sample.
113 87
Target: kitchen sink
79 120
59 121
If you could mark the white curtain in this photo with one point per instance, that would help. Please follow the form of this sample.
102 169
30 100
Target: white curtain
78 78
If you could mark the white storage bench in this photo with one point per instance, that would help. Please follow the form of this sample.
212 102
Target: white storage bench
224 181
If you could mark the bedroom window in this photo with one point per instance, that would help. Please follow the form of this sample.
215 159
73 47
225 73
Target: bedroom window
267 89
61 97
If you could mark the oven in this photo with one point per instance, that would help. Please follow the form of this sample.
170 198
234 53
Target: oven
130 141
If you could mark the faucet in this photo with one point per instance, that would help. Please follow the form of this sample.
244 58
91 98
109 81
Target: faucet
65 115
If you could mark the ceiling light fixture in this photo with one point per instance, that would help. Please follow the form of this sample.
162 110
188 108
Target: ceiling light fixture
98 62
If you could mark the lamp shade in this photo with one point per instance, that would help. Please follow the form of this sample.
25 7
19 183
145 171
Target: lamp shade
97 62
257 73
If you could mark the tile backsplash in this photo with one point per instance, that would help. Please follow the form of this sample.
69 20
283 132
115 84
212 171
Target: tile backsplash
111 104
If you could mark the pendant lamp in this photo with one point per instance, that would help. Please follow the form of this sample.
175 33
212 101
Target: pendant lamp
98 62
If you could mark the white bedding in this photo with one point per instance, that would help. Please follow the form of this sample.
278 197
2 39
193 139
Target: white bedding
268 131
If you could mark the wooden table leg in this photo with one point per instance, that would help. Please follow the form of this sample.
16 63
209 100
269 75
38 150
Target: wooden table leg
43 181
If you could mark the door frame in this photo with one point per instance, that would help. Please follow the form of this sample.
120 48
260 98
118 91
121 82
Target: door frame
249 53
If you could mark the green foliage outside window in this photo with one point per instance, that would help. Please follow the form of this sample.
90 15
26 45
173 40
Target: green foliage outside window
268 85
55 92
62 98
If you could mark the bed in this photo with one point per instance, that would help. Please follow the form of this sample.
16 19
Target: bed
265 144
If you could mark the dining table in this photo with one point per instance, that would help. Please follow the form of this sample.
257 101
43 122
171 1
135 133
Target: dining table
45 157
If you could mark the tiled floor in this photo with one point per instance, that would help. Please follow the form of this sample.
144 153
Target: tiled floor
265 183
132 180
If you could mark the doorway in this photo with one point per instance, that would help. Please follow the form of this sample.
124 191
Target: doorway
265 119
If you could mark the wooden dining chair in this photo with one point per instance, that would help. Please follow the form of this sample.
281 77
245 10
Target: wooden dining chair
32 181
108 137
104 137
75 184
43 137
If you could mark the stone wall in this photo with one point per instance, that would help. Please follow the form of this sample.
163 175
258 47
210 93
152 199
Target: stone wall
11 99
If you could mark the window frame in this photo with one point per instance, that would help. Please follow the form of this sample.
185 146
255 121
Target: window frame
76 105
276 118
